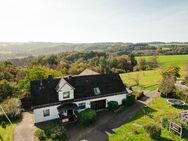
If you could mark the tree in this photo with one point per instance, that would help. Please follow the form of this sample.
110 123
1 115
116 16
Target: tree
103 64
5 89
12 107
153 62
142 64
171 71
167 86
186 74
169 76
36 72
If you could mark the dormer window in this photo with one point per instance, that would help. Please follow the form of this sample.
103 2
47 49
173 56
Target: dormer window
97 91
66 94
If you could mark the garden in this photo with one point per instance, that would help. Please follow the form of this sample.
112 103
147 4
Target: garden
154 114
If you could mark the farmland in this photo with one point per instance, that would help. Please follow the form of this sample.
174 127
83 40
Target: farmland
149 80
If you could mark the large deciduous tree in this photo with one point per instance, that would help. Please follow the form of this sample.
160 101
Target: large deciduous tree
169 75
36 72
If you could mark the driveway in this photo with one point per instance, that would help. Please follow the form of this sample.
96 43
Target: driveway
107 122
24 130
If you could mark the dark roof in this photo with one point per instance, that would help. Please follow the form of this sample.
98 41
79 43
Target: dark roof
64 106
84 87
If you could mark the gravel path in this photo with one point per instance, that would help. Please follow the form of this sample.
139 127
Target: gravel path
24 130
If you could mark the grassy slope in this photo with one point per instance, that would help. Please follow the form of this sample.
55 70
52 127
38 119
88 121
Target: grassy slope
149 80
157 109
6 134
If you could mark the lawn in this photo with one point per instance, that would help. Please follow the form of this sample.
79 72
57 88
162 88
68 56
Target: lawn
156 109
149 80
167 60
6 134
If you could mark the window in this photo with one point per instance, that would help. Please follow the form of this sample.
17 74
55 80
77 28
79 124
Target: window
97 91
82 105
46 112
66 94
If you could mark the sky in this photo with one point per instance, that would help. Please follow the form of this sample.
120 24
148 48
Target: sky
81 21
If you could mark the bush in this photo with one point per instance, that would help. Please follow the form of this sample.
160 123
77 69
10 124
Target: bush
58 132
12 107
87 117
40 134
129 100
113 105
138 94
165 122
153 130
3 124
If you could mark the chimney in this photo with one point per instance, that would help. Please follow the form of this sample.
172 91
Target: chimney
50 77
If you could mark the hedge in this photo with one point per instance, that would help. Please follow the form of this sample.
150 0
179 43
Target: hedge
153 130
87 117
129 100
113 105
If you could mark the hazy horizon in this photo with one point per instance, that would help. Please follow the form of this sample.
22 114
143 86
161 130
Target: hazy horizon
93 21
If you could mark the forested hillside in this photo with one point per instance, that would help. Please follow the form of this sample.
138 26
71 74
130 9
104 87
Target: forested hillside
14 50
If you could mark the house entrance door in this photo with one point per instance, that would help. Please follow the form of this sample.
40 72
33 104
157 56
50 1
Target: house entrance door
70 112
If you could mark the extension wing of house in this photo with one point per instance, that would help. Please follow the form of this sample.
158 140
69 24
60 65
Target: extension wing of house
62 98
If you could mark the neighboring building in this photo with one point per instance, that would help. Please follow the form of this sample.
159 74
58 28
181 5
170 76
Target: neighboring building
54 98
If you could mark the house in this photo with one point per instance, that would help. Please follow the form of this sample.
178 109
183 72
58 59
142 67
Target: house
62 98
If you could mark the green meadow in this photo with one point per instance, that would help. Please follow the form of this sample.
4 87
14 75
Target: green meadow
149 80
168 60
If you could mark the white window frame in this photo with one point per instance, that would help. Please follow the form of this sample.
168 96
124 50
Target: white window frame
82 105
46 112
97 91
67 95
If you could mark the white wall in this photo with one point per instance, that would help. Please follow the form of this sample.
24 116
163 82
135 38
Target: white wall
38 113
66 88
117 98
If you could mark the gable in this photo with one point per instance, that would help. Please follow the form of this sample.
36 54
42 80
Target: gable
66 92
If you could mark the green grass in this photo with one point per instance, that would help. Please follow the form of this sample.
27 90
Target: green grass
149 80
167 60
6 134
156 109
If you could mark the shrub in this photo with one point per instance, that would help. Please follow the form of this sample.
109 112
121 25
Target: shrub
3 124
40 134
58 132
12 107
113 105
87 117
165 122
138 94
153 130
129 100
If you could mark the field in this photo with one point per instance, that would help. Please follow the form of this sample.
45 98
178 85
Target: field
156 110
149 80
167 60
6 134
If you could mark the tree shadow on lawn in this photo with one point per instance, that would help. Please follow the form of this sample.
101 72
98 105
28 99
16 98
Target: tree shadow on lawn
1 139
163 139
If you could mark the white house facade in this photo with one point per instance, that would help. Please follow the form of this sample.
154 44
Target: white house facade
63 98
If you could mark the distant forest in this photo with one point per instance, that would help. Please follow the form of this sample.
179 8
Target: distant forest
15 50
